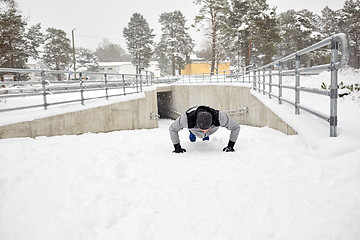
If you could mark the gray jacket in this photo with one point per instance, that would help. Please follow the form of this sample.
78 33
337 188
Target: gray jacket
224 119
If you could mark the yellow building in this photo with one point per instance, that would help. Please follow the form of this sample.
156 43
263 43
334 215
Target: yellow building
204 67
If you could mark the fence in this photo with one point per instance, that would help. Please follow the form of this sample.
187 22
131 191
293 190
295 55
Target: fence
88 86
334 65
261 77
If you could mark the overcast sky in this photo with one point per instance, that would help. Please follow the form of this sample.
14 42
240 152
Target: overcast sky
96 20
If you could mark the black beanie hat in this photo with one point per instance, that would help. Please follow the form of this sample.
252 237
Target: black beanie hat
204 120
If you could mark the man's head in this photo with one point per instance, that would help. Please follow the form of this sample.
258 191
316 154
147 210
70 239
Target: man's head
204 120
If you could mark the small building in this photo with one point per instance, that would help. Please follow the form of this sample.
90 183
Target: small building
127 68
198 67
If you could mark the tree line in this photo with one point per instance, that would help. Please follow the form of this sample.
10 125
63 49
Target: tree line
243 32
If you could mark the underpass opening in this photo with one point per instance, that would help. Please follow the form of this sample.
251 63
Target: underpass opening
164 103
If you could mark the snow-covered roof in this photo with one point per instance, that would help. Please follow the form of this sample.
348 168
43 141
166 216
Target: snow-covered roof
113 64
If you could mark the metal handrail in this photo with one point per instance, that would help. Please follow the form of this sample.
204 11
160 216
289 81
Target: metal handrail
334 65
105 85
262 76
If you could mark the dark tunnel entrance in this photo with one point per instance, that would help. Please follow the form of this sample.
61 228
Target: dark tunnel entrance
164 103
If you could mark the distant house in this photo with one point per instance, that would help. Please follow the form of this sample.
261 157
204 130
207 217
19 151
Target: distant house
127 68
202 66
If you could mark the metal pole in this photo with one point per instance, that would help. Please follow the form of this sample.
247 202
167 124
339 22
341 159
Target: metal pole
249 75
140 80
81 89
74 58
297 84
280 82
333 89
124 88
270 82
106 86
137 83
244 72
263 81
44 89
259 80
254 78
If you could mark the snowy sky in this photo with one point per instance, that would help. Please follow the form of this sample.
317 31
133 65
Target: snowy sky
94 21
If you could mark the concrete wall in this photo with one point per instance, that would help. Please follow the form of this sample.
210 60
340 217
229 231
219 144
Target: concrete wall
133 114
136 114
226 98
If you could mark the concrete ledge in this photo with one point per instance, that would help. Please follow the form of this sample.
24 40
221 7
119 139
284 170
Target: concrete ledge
136 113
132 114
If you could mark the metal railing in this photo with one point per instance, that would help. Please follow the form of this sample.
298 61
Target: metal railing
262 77
266 72
89 86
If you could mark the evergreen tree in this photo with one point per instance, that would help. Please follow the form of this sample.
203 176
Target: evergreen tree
109 52
329 22
176 44
17 43
253 29
86 61
213 15
35 38
237 31
12 40
349 23
57 50
9 3
139 39
298 29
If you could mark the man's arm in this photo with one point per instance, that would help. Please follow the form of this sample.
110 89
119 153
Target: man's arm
230 124
179 124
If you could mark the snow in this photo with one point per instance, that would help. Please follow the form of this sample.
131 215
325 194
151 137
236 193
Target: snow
129 184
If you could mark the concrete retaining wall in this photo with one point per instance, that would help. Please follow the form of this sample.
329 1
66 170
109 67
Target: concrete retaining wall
132 114
136 114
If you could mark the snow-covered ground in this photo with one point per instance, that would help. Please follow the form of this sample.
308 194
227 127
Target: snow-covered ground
129 184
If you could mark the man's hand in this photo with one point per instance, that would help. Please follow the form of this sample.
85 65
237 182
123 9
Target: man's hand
229 147
178 148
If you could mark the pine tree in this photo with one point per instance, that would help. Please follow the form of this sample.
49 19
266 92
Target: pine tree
213 15
17 43
253 30
12 40
57 50
35 38
349 23
236 30
176 44
86 61
299 29
329 21
139 39
9 3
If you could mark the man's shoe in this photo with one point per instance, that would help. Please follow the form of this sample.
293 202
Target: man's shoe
206 138
192 137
